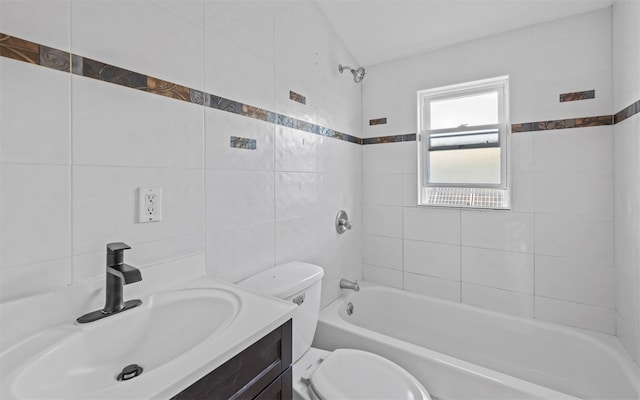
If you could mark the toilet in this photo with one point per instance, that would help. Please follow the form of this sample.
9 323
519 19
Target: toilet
324 375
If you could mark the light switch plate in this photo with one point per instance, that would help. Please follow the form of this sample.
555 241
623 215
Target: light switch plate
149 204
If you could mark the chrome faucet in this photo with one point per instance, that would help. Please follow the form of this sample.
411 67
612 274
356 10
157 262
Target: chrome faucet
118 275
347 284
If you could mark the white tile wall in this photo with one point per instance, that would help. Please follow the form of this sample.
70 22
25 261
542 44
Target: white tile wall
383 276
220 125
382 251
165 46
498 269
23 83
497 299
432 286
157 132
40 21
36 219
626 171
239 75
498 230
576 314
433 259
562 216
438 225
104 209
233 211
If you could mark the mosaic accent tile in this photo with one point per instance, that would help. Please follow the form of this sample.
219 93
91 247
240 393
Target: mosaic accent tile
56 59
285 121
408 137
575 96
627 112
254 112
167 89
562 124
297 97
112 74
242 143
26 51
378 121
196 96
223 104
19 49
77 67
593 121
305 126
322 131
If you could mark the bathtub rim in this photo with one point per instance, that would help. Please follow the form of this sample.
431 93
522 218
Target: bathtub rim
331 314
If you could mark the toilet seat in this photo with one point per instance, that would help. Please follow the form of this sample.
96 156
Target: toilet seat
356 374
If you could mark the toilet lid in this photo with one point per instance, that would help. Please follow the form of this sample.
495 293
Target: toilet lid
356 374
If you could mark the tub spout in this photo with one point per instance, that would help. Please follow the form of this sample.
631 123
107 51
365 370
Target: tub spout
347 284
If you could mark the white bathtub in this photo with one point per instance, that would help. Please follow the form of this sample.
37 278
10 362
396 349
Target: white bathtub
464 352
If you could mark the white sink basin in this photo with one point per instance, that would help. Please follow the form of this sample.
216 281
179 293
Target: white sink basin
85 359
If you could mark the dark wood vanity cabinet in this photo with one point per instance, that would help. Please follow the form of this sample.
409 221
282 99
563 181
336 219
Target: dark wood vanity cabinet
261 371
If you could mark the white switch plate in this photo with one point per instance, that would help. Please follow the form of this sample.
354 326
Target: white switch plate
149 204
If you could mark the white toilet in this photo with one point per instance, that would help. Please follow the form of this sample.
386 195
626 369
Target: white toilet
324 375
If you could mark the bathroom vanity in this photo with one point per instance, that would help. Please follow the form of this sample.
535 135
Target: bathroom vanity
200 339
261 371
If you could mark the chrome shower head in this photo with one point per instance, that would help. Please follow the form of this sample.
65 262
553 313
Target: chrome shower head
358 73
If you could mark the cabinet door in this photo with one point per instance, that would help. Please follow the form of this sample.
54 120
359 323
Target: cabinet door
280 389
246 375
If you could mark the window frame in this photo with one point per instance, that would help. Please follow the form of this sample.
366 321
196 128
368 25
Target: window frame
425 97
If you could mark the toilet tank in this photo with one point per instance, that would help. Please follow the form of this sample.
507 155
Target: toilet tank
297 282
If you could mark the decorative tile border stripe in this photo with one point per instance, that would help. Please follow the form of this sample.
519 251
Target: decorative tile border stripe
627 112
378 121
297 97
562 124
575 96
409 137
33 53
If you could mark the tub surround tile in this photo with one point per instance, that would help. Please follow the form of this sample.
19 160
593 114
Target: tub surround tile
382 251
383 276
580 281
429 224
432 286
498 269
498 300
433 259
575 314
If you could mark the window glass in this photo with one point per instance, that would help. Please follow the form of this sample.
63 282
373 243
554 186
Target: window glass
463 144
479 109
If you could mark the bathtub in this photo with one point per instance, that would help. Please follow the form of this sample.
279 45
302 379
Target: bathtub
463 352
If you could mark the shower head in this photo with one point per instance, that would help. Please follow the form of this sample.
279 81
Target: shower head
358 73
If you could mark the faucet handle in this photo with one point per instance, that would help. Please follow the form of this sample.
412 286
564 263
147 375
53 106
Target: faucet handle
117 246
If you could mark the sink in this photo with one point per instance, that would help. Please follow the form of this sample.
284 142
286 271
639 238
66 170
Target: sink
86 359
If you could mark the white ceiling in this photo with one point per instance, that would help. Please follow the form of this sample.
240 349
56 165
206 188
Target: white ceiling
376 31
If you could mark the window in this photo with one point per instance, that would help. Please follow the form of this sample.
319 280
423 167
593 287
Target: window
463 138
